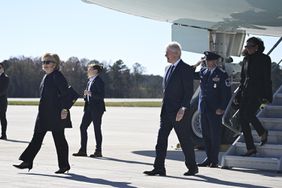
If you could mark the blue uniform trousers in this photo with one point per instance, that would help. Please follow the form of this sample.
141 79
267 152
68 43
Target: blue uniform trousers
211 130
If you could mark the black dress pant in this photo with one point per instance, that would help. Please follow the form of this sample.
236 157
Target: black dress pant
88 117
61 147
184 136
211 128
3 119
247 115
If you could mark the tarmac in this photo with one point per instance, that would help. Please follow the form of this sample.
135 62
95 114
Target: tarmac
129 138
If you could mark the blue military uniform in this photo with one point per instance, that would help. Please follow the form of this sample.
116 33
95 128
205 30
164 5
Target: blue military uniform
214 94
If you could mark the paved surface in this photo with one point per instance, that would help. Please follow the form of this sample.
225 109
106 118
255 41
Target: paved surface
129 140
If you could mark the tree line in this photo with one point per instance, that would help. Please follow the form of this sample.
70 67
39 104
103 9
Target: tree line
120 81
25 75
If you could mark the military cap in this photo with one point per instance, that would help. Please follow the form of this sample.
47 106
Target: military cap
211 55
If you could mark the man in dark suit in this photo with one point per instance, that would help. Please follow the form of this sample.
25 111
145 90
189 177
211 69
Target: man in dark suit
93 110
178 90
214 96
4 82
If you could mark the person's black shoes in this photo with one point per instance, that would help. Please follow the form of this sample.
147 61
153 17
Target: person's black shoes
3 137
96 154
80 154
155 172
264 138
63 170
213 165
249 153
192 172
205 163
24 165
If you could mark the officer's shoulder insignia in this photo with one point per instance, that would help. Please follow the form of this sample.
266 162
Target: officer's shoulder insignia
222 70
228 82
216 79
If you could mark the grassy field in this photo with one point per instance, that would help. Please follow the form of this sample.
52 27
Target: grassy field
117 104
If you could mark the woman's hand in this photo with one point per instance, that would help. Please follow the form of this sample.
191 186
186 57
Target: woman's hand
64 113
219 111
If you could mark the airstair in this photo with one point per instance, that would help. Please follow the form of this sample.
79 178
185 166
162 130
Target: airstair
269 156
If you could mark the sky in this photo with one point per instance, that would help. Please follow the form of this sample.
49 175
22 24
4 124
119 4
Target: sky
72 28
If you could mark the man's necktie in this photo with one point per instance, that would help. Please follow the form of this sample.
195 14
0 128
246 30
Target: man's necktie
88 89
208 74
169 73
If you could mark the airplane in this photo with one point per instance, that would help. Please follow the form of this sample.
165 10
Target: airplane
215 25
218 25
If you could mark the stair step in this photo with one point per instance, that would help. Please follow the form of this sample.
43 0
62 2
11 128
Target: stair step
274 137
277 100
271 123
262 163
271 111
267 150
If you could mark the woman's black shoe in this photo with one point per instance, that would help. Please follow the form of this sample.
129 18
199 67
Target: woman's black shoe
264 138
250 152
63 170
24 165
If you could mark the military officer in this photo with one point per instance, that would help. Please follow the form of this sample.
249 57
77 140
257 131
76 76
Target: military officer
214 96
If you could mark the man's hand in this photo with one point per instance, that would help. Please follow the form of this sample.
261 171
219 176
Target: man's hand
219 111
64 114
87 93
180 114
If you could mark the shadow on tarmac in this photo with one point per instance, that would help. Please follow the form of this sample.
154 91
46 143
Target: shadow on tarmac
200 156
17 141
85 179
124 161
217 181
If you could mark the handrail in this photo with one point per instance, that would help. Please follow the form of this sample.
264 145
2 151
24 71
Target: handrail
274 46
226 121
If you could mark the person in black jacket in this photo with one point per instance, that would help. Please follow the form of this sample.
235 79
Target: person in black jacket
94 108
4 82
255 88
177 93
53 115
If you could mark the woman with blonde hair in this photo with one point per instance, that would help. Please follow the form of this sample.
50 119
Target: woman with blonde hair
53 115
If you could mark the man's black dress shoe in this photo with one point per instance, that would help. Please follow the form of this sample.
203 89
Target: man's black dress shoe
205 163
96 154
264 138
155 172
192 172
80 154
3 137
63 170
24 165
250 152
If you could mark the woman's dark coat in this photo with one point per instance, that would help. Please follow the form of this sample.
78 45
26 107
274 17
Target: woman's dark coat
53 88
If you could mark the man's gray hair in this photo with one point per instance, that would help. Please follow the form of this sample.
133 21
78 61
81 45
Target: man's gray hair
174 47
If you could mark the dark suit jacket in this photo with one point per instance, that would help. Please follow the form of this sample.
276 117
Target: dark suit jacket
4 82
53 88
256 77
179 89
96 101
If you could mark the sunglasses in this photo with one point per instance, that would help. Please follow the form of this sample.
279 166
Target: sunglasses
47 62
250 46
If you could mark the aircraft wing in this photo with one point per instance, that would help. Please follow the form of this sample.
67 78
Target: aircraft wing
261 17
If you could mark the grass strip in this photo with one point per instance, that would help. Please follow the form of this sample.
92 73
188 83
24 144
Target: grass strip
112 104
